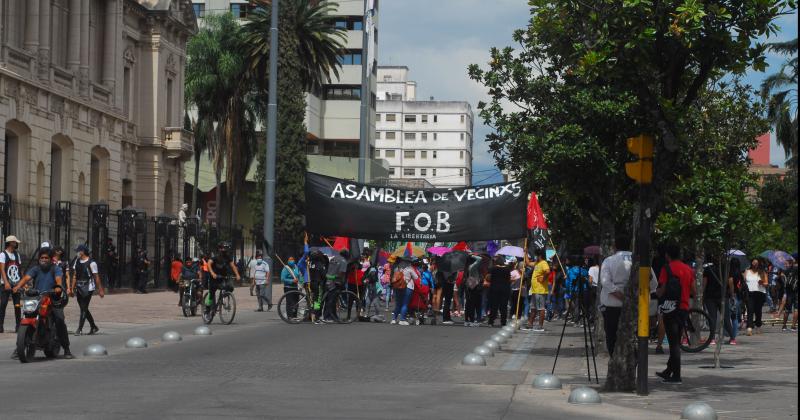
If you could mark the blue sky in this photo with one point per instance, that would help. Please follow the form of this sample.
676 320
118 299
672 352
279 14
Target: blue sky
438 39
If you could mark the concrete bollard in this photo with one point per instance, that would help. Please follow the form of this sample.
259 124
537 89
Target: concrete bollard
583 395
493 345
473 359
504 333
136 343
171 336
95 350
202 330
698 411
483 351
498 338
546 381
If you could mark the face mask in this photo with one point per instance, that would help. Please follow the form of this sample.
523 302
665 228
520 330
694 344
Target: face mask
291 263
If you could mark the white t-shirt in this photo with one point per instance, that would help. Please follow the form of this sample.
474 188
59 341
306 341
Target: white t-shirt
752 278
92 268
410 274
259 271
13 272
594 273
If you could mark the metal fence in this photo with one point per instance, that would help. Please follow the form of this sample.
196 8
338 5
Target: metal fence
115 235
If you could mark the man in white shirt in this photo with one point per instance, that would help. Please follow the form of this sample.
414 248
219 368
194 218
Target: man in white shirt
614 275
258 270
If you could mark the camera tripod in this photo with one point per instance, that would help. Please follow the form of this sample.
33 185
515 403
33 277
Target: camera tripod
583 316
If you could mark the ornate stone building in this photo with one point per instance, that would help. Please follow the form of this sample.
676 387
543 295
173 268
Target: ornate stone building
91 101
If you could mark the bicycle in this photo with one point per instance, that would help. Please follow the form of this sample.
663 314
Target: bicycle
189 297
697 331
225 304
346 310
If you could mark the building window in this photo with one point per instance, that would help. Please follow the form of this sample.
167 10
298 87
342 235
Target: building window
435 118
462 136
390 135
391 171
410 118
169 103
462 118
409 154
423 172
388 154
387 78
395 97
350 57
433 171
410 136
434 136
349 23
377 135
460 171
239 10
461 154
377 117
409 172
391 117
434 154
423 154
424 119
342 92
199 10
126 91
423 136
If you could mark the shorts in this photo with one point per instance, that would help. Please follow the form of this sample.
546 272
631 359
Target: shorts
537 302
791 303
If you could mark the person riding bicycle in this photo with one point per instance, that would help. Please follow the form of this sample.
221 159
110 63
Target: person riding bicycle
48 277
317 272
221 267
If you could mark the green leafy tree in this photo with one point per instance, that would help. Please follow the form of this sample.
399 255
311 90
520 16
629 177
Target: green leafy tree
663 54
777 200
309 44
781 88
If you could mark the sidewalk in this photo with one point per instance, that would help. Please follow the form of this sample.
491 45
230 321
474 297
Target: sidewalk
760 383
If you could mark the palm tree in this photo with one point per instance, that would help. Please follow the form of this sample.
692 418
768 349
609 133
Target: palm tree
781 89
312 24
217 85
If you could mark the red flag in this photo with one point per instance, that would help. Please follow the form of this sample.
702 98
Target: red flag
341 243
535 216
409 251
461 246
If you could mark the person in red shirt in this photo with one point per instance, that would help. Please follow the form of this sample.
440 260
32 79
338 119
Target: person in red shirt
674 313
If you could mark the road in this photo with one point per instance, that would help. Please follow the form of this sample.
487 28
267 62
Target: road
260 367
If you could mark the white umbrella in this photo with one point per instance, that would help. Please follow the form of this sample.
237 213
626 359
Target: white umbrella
512 251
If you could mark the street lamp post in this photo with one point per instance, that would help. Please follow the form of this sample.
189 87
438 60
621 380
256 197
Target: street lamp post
272 130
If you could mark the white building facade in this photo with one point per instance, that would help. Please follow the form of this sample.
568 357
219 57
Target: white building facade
91 102
430 140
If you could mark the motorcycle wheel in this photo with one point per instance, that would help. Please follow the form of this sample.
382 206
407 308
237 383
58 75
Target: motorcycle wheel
26 344
186 303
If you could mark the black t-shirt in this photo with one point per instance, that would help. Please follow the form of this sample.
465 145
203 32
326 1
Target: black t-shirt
713 290
317 267
221 264
500 278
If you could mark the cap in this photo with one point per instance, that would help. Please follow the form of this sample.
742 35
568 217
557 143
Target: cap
44 245
12 238
82 248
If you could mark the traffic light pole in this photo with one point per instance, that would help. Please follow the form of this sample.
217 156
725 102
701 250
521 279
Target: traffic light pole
643 250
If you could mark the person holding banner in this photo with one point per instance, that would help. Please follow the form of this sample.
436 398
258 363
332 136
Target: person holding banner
538 291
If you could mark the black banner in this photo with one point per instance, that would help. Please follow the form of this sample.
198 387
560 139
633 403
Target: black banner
339 207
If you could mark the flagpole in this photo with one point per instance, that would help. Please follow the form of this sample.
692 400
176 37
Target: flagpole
521 282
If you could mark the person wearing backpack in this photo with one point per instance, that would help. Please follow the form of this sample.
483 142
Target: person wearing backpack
85 282
10 275
675 286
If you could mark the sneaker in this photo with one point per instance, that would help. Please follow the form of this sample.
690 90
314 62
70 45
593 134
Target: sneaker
318 322
732 341
672 381
93 330
394 321
749 332
794 329
784 329
659 350
475 324
15 355
538 329
403 323
447 322
526 328
467 324
68 355
259 310
78 333
713 343
269 307
663 375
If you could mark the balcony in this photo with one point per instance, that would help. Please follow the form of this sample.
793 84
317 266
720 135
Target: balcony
178 143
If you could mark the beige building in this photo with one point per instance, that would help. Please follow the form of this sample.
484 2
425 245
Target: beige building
91 101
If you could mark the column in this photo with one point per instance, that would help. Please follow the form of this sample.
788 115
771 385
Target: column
44 38
32 26
74 43
83 70
110 43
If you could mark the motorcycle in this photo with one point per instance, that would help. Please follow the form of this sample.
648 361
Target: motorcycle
37 329
191 296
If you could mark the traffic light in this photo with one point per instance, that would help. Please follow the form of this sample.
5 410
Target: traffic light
641 170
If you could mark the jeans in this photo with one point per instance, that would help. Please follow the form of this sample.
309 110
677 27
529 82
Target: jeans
263 296
472 310
732 314
447 301
4 296
673 326
498 303
83 304
610 323
401 299
754 308
61 327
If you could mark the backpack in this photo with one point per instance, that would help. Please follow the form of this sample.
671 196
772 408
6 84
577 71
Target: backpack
83 285
399 280
13 268
672 289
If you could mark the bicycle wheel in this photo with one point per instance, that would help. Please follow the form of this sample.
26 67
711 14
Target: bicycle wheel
347 307
208 311
698 331
227 308
293 307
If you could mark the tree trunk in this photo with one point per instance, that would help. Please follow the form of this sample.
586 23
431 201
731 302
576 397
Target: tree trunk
622 367
724 273
196 190
607 234
697 302
234 206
